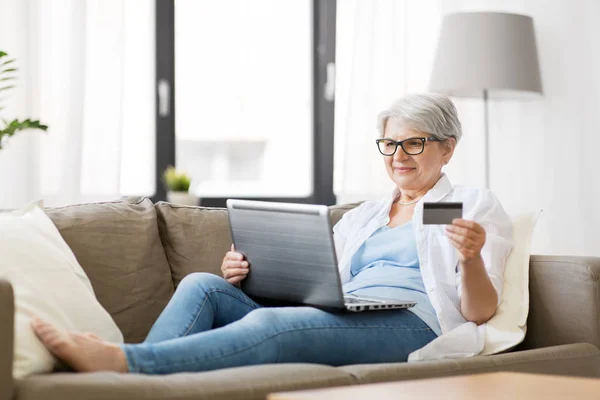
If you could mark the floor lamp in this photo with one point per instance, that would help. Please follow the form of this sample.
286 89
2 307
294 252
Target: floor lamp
486 53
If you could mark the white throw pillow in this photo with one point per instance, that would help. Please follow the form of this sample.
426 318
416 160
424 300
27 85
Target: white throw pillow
48 282
509 324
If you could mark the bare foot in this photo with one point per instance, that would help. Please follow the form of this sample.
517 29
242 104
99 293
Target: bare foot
83 352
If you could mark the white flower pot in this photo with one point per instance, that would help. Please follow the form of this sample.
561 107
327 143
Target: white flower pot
183 198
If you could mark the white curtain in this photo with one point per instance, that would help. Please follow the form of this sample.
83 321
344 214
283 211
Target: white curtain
16 167
543 152
384 49
90 73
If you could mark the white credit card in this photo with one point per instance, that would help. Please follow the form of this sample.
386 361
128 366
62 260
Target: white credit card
441 213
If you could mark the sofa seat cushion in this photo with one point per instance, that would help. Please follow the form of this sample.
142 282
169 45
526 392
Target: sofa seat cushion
118 246
580 359
233 383
196 238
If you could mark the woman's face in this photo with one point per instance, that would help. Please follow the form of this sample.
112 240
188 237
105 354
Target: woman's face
415 172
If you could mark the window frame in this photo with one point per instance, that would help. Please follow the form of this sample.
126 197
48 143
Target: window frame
323 51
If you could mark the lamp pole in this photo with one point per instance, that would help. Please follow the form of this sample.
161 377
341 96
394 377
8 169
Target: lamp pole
487 138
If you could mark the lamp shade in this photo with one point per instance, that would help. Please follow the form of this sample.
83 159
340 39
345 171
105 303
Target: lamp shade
486 51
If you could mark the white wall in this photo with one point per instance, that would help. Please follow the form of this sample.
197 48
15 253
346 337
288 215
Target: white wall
555 164
16 164
544 151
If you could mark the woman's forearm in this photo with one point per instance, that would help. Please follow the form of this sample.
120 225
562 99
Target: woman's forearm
479 298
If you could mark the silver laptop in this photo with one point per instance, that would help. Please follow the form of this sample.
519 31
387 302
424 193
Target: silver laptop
292 256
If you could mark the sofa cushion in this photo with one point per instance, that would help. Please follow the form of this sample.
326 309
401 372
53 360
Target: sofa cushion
580 359
509 324
248 383
117 245
49 283
196 238
564 301
337 212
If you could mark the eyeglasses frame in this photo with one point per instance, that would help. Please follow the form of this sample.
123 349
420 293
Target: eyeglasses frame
401 144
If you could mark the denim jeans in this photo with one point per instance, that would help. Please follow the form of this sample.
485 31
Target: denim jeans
211 324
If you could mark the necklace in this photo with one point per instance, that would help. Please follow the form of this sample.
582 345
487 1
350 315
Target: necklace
407 203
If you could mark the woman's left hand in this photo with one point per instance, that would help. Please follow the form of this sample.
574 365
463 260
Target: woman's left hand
468 237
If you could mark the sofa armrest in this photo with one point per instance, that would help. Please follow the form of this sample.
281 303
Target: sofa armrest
7 315
564 308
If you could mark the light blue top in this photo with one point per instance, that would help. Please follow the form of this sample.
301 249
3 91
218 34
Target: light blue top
387 265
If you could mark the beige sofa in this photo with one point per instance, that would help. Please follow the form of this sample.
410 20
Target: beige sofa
135 253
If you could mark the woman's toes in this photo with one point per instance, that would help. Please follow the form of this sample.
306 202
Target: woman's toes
84 352
55 340
92 336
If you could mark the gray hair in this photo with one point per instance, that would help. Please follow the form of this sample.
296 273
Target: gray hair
424 112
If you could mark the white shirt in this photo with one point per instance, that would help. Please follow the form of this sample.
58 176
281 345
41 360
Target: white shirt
438 259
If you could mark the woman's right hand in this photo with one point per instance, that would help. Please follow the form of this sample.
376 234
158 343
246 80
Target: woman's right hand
234 267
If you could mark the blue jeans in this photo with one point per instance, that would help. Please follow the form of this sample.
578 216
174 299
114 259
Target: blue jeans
211 324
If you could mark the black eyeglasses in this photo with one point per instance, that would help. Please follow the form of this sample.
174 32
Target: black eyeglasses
411 146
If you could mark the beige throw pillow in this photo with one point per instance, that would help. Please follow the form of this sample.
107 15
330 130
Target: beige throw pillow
509 325
48 282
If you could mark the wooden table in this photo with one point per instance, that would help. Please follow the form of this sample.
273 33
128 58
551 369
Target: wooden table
490 386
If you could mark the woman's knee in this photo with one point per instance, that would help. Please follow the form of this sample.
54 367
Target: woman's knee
284 318
261 317
202 280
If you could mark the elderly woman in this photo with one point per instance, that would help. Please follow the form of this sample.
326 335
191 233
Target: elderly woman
453 272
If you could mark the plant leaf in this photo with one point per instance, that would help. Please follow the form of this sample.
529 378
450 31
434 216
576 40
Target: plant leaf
15 126
8 78
8 70
2 54
7 87
12 60
176 181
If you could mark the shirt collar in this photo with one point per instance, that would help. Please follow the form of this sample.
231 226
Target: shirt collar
440 190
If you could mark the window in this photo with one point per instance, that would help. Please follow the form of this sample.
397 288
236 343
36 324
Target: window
249 117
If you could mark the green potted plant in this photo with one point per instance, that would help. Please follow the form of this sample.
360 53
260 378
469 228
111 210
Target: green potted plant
177 184
7 77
